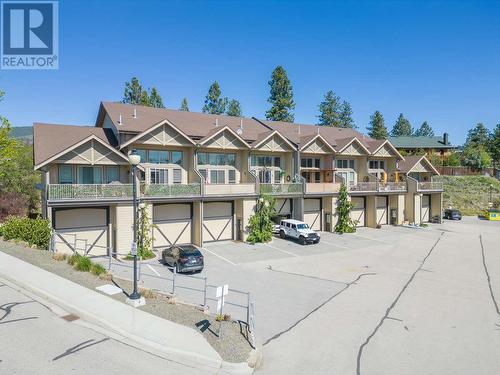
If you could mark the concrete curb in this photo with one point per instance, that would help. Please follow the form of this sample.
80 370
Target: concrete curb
191 359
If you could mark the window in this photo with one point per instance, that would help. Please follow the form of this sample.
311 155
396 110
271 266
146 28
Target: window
376 164
317 163
265 161
158 157
277 162
216 159
231 159
203 172
345 164
177 176
277 177
112 174
158 176
90 175
317 177
231 176
310 163
65 174
217 176
143 154
176 157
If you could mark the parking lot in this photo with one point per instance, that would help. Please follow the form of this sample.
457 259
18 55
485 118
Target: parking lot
281 297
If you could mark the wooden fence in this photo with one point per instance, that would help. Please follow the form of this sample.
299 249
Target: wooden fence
465 171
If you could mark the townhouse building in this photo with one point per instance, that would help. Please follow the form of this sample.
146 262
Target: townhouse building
201 175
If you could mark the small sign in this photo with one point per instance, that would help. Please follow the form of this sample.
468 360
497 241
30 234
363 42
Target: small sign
134 248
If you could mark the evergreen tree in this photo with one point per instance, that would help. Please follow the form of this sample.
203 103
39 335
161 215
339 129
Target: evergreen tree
425 130
133 92
402 127
345 224
478 136
184 105
233 108
155 99
214 104
345 116
377 128
329 110
495 146
281 97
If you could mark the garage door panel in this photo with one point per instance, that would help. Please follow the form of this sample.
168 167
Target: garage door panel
217 221
313 219
426 206
358 211
84 230
172 224
283 207
382 210
312 205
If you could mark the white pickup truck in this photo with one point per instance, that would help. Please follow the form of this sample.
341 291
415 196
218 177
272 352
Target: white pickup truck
298 230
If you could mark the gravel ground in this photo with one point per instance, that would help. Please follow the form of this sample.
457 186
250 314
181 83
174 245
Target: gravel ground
232 346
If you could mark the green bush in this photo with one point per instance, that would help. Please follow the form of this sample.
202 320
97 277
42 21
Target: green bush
261 224
97 269
83 264
73 259
33 231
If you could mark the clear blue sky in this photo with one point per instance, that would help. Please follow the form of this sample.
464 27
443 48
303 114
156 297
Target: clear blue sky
432 60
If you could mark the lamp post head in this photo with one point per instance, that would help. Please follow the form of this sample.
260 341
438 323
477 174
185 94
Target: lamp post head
134 158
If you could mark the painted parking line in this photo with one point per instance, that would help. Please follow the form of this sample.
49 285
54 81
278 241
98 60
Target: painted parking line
368 238
283 251
152 269
220 256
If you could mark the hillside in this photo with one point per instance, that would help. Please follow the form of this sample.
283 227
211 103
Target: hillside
24 133
470 194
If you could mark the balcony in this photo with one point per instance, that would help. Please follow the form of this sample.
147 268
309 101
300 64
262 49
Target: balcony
363 187
429 186
88 191
281 189
229 189
322 187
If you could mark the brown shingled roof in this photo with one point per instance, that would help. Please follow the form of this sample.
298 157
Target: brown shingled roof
194 124
409 162
51 139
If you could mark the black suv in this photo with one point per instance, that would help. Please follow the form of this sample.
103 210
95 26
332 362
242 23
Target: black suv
184 258
452 214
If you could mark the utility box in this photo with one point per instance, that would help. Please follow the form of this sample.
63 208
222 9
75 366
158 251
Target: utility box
394 216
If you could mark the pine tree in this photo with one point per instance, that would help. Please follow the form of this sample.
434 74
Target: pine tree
144 100
281 97
478 136
377 128
329 110
425 130
345 116
233 108
402 127
495 146
214 104
155 99
345 224
184 105
133 92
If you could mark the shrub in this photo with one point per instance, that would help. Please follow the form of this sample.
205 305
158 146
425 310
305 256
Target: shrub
97 269
83 264
344 222
73 259
13 204
33 231
261 224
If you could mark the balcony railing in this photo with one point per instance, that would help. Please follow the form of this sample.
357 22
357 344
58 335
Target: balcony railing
391 186
322 187
429 185
228 189
363 186
173 191
89 191
281 189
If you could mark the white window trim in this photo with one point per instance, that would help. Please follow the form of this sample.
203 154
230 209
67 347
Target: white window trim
347 170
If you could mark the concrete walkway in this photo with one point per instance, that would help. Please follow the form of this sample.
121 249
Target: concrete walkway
165 338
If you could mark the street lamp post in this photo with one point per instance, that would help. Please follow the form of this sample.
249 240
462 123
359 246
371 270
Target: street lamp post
491 195
134 298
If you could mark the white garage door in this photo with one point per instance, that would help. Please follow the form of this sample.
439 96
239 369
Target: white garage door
358 211
312 213
284 207
172 224
382 210
84 230
426 206
217 221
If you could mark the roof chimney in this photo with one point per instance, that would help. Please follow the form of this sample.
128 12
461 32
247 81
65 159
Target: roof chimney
299 129
445 139
216 122
241 123
135 113
120 119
